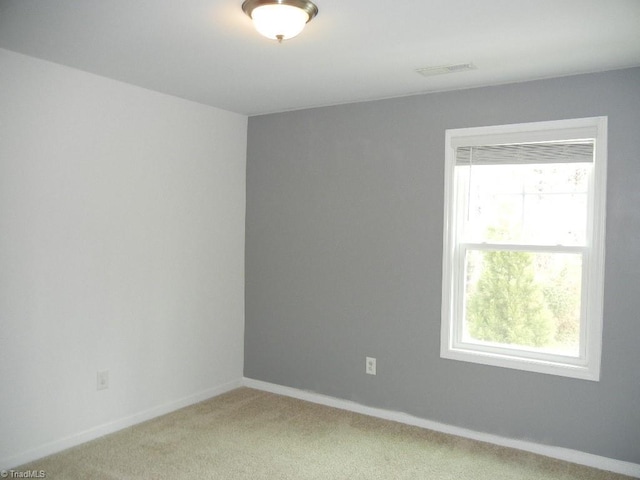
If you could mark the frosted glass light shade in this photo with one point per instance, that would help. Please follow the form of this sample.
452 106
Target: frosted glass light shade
279 21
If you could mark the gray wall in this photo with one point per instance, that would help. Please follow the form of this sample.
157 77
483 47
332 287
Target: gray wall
344 260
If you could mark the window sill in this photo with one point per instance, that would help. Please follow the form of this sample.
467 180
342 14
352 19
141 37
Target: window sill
507 360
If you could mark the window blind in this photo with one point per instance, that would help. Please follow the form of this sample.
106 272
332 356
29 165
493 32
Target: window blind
527 153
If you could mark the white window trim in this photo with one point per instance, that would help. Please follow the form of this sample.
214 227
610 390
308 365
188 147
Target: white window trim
587 364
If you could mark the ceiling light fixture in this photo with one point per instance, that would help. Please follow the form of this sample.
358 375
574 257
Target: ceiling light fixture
280 19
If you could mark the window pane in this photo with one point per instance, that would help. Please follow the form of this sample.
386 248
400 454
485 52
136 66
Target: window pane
525 300
530 204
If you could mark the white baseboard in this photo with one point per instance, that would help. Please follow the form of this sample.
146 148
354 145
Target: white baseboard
573 456
111 427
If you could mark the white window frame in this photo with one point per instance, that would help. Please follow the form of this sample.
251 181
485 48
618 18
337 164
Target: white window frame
587 364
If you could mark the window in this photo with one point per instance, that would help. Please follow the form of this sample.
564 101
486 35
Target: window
523 262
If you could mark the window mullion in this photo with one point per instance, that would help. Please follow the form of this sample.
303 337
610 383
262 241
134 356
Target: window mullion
517 247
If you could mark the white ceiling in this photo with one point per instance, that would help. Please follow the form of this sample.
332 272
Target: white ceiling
208 51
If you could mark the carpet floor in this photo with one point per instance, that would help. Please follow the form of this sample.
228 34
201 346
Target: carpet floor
250 434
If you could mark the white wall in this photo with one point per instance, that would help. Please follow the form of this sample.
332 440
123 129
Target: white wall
121 248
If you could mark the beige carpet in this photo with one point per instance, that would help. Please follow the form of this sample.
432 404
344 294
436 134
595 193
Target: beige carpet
249 434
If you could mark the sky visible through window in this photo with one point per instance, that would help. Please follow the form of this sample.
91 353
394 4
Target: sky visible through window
529 204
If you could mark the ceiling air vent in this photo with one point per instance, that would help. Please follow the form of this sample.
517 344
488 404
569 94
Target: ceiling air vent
442 69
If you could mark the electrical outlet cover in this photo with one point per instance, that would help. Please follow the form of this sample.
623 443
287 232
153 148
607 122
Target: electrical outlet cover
371 366
103 380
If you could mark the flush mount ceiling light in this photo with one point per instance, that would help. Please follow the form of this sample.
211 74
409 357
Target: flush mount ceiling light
280 19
